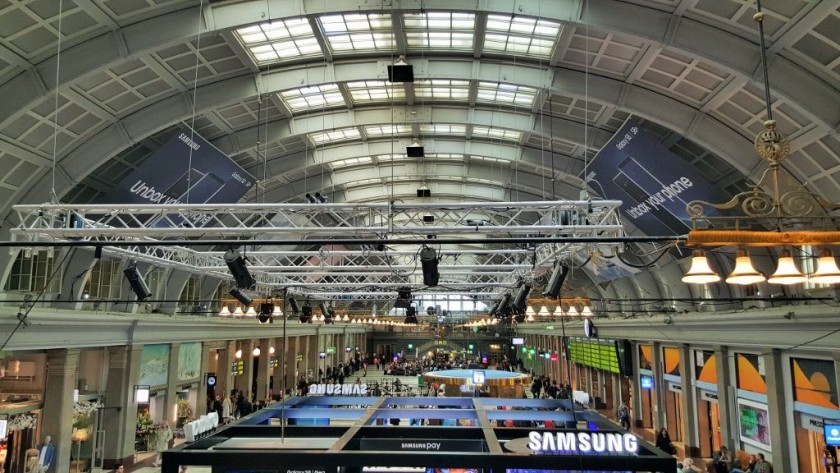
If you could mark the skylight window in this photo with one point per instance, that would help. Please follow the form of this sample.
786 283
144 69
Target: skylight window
358 32
443 129
364 182
521 35
496 133
442 89
499 92
341 134
343 163
280 40
489 159
387 130
440 30
375 91
312 97
391 157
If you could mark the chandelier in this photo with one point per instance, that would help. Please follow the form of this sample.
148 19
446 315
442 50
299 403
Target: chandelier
773 212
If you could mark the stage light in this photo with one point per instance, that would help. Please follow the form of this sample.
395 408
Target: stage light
558 276
310 199
266 312
321 198
137 283
403 298
97 252
411 315
429 261
237 294
236 265
306 314
521 298
294 305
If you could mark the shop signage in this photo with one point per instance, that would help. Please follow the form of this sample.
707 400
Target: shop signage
319 469
809 422
410 445
677 388
331 350
708 396
339 389
582 442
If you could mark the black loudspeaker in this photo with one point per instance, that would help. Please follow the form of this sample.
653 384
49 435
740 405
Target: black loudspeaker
415 151
558 276
521 300
401 73
236 265
138 284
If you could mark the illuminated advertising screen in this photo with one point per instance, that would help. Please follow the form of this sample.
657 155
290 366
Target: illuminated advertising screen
599 354
832 434
646 382
518 341
754 423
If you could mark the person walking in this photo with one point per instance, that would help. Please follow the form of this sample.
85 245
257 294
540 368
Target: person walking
624 416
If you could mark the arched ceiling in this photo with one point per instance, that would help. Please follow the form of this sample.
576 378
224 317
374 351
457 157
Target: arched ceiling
501 113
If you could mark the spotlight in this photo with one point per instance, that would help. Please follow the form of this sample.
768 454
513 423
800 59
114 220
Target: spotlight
400 71
552 289
428 258
431 310
521 298
266 311
236 266
294 305
327 312
321 198
306 314
97 252
403 298
411 315
137 283
241 296
310 199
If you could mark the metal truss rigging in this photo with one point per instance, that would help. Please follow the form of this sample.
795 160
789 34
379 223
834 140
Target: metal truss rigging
462 267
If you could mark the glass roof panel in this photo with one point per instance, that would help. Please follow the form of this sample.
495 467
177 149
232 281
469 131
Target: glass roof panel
442 89
312 97
279 40
500 92
350 162
332 136
440 30
375 91
387 130
496 133
443 129
358 32
521 35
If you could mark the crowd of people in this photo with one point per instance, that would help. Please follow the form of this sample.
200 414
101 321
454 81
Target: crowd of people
543 387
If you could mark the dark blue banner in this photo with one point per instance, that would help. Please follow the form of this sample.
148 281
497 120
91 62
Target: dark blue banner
654 183
185 170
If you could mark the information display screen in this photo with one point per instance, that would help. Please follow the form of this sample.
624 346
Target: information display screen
599 354
832 434
754 423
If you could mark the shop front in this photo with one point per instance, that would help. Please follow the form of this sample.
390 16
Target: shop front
708 409
22 384
751 405
815 401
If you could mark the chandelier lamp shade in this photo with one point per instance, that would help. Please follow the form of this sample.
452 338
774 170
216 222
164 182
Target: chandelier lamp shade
744 273
827 271
700 272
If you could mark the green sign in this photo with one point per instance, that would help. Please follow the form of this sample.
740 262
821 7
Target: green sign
299 357
410 346
272 363
330 350
237 368
472 346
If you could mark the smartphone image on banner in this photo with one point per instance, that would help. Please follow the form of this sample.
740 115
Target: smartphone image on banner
628 183
200 187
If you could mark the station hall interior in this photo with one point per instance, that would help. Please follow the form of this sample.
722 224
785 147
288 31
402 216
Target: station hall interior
636 199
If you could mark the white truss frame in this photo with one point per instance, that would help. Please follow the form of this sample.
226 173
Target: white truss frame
598 221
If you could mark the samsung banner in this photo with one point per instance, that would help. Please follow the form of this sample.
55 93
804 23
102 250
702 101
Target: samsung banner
185 170
653 182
